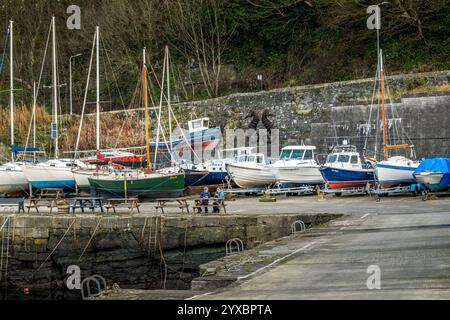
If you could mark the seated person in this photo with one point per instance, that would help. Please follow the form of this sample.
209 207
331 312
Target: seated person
220 195
204 196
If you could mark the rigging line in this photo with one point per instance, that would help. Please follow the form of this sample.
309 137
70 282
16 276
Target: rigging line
160 107
39 84
182 132
2 250
159 125
176 120
397 115
85 97
104 44
371 108
92 237
54 249
7 251
4 51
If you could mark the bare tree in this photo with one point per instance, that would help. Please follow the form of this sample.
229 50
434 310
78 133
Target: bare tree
198 31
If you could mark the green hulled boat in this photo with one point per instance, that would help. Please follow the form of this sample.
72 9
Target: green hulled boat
139 184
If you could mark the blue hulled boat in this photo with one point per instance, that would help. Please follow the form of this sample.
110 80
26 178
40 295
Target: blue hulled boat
343 169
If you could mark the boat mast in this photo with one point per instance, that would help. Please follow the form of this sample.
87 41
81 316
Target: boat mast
168 101
383 108
34 114
97 31
55 89
11 84
147 117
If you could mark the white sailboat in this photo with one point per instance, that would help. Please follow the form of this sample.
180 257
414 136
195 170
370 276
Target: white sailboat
297 166
56 173
82 174
12 178
396 170
251 171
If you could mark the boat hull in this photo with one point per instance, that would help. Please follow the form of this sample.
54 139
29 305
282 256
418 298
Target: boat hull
40 177
394 175
82 178
246 176
204 177
432 180
298 175
13 181
157 186
338 178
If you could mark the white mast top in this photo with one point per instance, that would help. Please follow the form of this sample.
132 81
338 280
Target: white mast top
97 31
168 100
11 84
55 88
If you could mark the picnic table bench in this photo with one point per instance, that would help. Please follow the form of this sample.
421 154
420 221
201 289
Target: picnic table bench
86 203
46 197
181 203
198 204
13 202
131 203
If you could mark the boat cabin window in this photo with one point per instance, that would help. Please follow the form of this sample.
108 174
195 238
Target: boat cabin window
285 154
343 158
205 123
259 159
196 124
331 158
297 154
308 155
354 159
251 159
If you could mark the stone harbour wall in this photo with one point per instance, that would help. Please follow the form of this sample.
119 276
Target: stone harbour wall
135 252
318 114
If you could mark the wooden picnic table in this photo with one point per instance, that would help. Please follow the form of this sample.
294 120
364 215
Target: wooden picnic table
48 196
181 203
131 203
13 202
86 202
198 203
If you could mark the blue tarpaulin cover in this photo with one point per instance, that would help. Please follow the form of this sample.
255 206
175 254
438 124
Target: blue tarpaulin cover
436 165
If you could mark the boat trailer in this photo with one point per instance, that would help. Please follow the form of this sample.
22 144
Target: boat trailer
379 192
274 191
345 191
426 193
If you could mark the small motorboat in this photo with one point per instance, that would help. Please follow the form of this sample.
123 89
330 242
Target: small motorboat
252 171
344 169
434 174
297 166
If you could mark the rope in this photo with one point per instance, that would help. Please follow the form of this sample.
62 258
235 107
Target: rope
161 254
92 237
7 252
1 253
54 249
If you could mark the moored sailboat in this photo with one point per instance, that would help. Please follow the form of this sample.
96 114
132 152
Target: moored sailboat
12 178
396 170
55 173
137 183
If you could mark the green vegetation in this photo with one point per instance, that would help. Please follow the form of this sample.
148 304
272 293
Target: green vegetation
289 42
217 47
